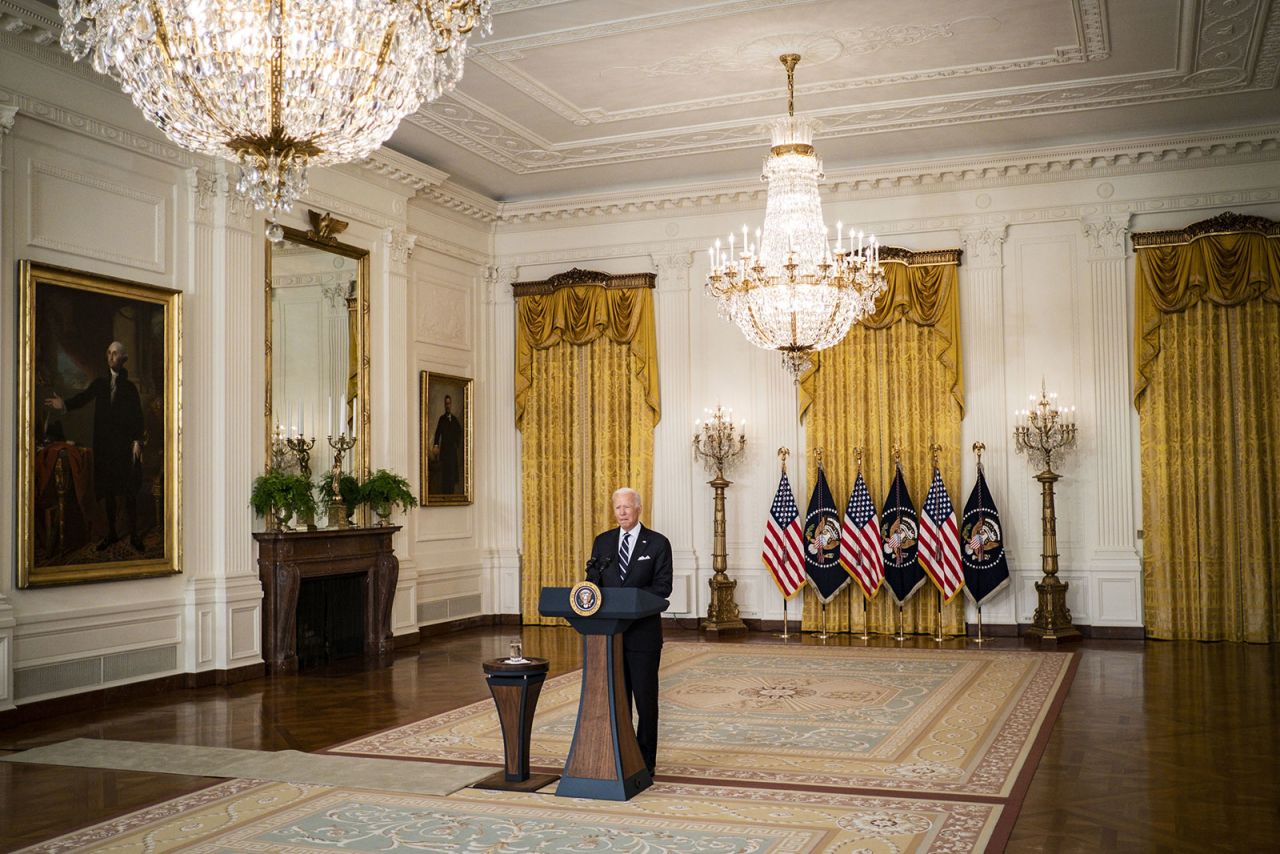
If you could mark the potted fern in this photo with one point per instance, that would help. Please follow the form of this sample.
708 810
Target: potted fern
278 496
348 496
383 491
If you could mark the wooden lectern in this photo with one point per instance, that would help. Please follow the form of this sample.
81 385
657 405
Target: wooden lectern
604 761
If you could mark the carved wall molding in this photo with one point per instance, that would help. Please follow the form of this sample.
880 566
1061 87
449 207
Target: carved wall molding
400 243
1106 236
985 245
59 116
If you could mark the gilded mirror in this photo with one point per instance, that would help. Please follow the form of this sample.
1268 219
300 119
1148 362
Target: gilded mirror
317 348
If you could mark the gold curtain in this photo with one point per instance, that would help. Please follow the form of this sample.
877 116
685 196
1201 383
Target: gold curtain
1207 334
896 379
586 406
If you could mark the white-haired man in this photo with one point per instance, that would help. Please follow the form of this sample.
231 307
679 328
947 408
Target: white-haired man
632 555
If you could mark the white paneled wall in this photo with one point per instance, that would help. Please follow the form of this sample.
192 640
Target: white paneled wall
1046 291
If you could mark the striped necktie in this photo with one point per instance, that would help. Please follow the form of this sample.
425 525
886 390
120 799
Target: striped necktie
624 556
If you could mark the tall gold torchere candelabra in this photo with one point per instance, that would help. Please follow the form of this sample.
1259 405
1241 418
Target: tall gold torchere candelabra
1049 432
720 443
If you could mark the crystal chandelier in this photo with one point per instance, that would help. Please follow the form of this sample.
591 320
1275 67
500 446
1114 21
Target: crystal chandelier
276 85
793 289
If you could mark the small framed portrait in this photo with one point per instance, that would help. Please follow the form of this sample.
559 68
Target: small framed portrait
445 412
99 462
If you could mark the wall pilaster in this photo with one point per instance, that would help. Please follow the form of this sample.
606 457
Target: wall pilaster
499 464
7 621
986 394
1106 240
672 500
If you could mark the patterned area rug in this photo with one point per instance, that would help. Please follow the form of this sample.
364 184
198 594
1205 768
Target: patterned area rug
253 816
956 723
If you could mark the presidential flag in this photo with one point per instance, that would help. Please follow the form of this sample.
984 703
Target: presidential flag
784 541
900 537
940 540
982 545
822 542
860 540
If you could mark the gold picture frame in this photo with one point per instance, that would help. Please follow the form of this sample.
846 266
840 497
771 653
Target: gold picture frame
446 427
99 440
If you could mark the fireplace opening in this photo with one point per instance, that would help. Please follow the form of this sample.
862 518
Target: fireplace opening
330 619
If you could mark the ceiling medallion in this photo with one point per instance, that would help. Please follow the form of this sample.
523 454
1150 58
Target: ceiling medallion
793 289
274 86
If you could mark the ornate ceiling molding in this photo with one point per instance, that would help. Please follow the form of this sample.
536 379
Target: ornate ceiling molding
1197 151
1236 49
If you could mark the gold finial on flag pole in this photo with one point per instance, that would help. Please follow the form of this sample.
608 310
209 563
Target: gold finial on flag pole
978 448
783 453
934 450
897 455
857 452
817 453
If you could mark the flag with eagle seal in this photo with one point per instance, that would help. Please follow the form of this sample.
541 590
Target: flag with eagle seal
982 545
900 533
822 542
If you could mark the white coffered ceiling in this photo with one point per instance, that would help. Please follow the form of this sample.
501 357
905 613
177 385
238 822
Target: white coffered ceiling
571 96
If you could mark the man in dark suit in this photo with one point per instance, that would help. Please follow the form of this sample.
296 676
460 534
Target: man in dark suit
446 447
632 555
117 441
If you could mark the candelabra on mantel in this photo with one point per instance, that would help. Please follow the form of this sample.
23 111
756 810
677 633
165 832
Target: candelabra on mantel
1048 433
337 507
720 443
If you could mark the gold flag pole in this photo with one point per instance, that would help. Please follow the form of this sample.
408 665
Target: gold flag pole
783 453
897 461
978 448
866 614
934 450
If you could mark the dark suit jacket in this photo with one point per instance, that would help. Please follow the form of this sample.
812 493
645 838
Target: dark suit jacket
649 569
116 426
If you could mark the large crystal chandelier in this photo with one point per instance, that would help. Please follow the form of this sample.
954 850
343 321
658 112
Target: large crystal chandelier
794 289
276 85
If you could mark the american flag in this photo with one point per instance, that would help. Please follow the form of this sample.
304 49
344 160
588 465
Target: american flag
940 540
784 541
860 540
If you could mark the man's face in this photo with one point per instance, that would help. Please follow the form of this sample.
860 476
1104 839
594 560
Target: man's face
448 404
115 356
626 510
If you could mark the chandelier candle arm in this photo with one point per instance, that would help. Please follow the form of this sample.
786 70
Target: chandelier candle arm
795 290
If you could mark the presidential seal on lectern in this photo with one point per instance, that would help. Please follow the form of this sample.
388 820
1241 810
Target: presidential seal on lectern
584 598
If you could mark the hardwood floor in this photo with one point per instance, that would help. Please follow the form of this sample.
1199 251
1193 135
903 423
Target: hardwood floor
1160 746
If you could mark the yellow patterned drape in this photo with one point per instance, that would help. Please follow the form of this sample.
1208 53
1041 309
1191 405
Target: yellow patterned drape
586 406
896 379
1207 373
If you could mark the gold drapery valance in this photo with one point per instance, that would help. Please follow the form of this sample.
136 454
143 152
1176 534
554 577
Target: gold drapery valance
578 307
1227 260
923 288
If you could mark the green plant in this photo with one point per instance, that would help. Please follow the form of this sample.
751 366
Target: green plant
384 490
348 490
281 492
